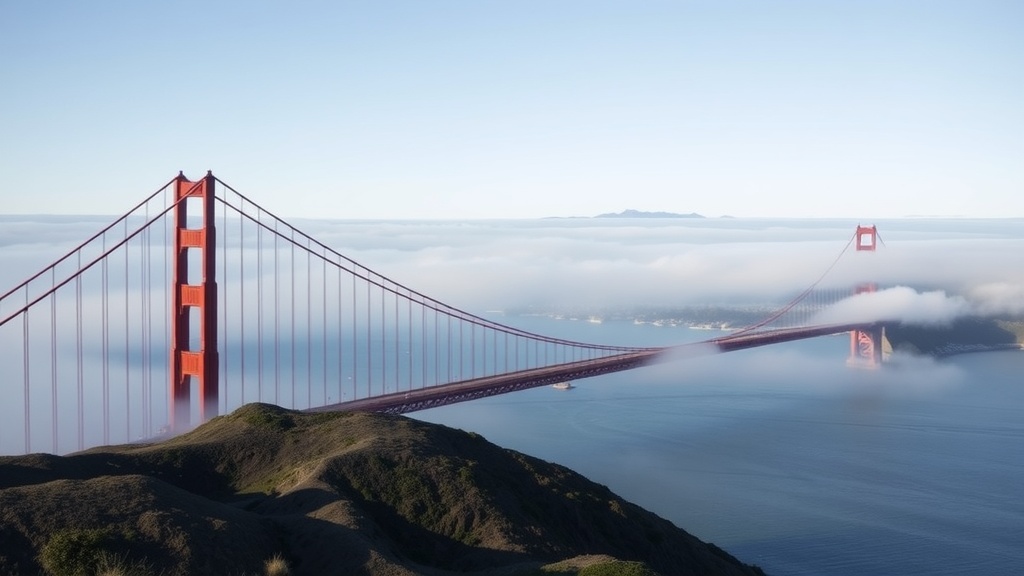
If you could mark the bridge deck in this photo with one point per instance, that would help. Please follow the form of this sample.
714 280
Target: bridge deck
432 397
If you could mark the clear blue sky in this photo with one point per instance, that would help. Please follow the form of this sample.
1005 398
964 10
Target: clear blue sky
471 109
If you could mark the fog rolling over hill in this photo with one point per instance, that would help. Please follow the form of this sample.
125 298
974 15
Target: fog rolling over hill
334 493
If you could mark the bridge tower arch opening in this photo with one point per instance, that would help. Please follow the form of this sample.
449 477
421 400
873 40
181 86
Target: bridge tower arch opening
866 238
193 299
866 344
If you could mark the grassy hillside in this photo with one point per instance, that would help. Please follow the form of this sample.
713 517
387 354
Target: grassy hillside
963 335
346 493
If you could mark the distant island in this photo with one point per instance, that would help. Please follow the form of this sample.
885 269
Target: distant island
642 214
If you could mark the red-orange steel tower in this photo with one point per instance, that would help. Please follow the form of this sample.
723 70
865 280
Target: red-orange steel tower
866 237
866 345
187 363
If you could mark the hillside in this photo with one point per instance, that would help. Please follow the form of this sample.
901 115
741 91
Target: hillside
962 335
345 493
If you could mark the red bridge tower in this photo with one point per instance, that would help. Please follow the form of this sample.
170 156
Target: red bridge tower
188 364
866 345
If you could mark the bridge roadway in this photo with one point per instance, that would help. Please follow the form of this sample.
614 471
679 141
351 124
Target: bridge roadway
444 394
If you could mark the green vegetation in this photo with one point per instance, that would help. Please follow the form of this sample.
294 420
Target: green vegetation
268 419
85 552
963 335
74 552
618 568
349 493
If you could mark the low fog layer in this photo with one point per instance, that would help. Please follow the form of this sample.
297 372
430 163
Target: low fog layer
926 270
933 307
931 270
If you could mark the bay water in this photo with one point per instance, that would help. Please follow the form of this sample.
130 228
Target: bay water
786 457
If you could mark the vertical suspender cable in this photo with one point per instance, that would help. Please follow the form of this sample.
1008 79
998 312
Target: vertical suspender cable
437 352
259 304
80 378
369 337
423 344
323 325
370 325
106 349
224 327
383 342
291 318
355 351
241 299
164 282
398 383
409 302
127 343
25 374
338 331
277 320
309 328
146 316
53 361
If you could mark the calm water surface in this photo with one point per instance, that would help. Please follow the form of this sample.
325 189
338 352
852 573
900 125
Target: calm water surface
787 458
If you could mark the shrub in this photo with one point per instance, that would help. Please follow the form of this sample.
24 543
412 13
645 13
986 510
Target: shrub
75 552
89 552
618 568
117 565
277 566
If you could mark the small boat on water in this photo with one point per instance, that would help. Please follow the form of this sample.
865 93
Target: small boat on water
567 385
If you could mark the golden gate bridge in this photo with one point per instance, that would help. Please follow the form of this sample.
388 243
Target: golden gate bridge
198 300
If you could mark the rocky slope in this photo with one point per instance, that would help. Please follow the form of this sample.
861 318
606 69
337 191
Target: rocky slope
345 493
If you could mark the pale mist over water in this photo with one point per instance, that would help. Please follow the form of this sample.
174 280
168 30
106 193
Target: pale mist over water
782 455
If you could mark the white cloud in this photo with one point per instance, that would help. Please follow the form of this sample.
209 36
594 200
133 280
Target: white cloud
901 304
998 298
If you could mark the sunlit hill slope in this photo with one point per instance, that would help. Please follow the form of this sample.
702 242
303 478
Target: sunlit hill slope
346 493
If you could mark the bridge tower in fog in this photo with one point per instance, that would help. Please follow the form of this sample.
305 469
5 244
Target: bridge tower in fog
188 365
866 344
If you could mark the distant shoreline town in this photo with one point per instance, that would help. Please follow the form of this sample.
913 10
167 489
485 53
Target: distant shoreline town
968 334
698 317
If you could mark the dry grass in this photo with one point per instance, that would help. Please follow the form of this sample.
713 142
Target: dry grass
119 565
277 566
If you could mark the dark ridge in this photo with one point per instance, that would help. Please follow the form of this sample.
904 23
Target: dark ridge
961 336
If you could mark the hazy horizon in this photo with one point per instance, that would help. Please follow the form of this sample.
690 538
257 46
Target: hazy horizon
486 264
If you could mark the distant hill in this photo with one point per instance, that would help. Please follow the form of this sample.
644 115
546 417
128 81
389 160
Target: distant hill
642 214
962 335
331 493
